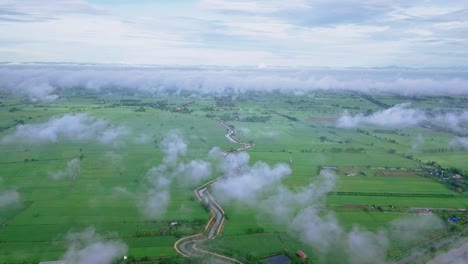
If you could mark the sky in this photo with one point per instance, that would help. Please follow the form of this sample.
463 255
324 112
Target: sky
324 33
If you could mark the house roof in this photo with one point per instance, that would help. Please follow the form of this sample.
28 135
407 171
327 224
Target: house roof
301 254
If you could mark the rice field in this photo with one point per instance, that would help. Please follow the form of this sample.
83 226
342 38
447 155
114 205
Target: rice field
372 165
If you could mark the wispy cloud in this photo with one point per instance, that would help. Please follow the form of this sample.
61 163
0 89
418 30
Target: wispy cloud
172 171
33 11
71 172
8 197
244 182
71 127
460 141
331 33
398 116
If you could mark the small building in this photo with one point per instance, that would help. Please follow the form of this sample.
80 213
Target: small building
457 176
301 254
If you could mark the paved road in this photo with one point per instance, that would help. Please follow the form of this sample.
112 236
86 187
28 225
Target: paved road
188 246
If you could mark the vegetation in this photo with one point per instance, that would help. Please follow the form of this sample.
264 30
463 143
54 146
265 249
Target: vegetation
380 174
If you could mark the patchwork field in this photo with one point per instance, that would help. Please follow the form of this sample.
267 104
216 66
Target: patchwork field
382 174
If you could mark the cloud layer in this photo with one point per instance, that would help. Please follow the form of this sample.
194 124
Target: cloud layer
71 172
73 127
45 82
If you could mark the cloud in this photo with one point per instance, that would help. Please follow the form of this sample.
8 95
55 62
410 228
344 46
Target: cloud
8 197
219 32
193 172
303 212
402 115
397 116
142 138
71 172
244 182
46 82
74 127
88 247
33 11
173 147
450 119
460 141
418 141
172 171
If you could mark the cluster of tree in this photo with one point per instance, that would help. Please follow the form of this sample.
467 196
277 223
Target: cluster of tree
224 101
14 109
258 230
236 117
292 118
161 105
446 176
386 131
362 131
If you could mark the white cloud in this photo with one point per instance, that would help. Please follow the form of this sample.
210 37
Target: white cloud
244 182
402 115
172 171
460 141
74 127
88 247
8 198
173 147
398 116
71 172
332 33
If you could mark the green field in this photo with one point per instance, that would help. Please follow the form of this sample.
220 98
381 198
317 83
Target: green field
375 167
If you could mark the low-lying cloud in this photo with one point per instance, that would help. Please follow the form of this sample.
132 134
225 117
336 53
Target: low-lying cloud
302 211
71 172
172 171
74 127
88 247
45 82
244 182
8 197
402 115
398 116
460 141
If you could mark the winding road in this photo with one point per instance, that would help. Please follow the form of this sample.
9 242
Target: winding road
189 246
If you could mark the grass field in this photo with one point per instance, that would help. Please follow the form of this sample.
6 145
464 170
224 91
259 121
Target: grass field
373 169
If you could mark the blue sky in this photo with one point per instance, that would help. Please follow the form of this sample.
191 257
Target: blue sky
332 33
